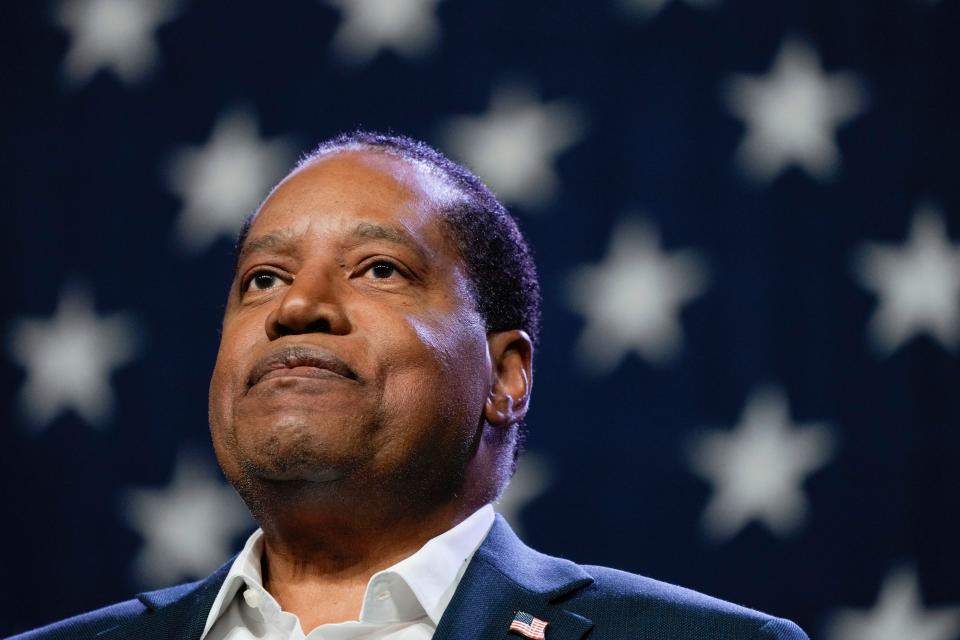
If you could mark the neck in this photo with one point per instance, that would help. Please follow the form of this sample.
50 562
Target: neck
322 544
330 546
329 555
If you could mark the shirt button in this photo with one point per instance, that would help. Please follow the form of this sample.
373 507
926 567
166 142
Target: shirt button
252 598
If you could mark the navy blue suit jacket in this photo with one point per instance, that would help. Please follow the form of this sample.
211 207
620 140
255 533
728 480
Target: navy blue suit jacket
505 576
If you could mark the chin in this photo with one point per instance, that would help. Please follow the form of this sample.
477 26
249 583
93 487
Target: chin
298 456
297 470
266 483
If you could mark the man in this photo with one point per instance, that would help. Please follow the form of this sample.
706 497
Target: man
367 401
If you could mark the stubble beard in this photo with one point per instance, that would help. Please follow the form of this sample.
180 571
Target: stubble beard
306 481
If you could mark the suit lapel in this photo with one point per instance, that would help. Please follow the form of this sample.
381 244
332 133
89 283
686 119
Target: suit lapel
180 612
506 576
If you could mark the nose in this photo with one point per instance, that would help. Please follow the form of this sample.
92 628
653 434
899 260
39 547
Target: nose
310 305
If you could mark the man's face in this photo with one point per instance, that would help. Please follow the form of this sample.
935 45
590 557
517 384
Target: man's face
352 354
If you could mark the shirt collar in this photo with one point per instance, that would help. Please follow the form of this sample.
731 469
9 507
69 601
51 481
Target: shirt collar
421 584
245 571
434 571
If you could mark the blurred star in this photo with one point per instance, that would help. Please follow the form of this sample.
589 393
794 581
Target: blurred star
225 180
514 146
408 27
899 613
918 284
757 469
792 114
632 300
188 527
531 481
69 359
112 34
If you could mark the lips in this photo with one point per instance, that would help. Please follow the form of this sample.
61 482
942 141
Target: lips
304 361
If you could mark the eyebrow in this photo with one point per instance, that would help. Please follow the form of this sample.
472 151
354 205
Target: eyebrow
372 231
283 239
278 239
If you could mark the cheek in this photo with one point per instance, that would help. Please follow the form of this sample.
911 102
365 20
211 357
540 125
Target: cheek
440 374
227 379
225 369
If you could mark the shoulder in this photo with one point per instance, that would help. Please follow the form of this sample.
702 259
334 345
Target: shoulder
616 604
166 611
86 625
673 611
93 623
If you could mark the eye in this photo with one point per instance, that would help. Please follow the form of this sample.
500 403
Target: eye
263 280
381 270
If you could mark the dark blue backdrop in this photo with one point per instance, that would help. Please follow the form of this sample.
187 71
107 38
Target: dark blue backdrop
745 216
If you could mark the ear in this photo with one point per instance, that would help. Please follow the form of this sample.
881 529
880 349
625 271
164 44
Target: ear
511 368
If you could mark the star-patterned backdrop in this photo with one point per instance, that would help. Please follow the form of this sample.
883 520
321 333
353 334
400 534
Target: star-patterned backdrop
746 217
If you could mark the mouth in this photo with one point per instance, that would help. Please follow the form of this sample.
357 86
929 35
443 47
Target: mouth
300 361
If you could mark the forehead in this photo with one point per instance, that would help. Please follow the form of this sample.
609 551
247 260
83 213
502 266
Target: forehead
345 187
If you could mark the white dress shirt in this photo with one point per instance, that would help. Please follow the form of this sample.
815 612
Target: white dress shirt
402 602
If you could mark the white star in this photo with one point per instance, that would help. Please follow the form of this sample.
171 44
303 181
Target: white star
899 613
189 527
515 144
649 8
69 359
757 469
531 480
112 34
918 284
225 180
792 114
632 300
409 27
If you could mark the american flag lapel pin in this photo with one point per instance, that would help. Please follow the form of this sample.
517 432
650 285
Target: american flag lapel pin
528 626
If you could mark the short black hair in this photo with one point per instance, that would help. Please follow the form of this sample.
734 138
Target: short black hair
498 259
